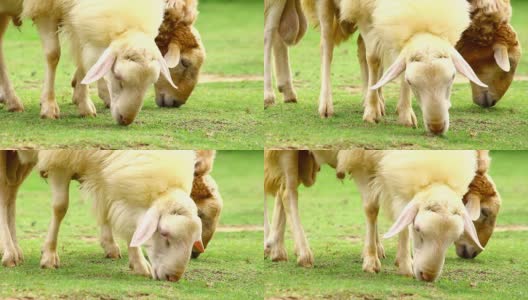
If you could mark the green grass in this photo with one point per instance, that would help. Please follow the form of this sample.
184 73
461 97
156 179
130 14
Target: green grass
231 267
217 116
336 237
299 125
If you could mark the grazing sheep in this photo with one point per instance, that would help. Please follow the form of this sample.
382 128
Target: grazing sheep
124 54
418 188
490 45
13 171
483 203
419 38
10 10
284 171
284 25
158 212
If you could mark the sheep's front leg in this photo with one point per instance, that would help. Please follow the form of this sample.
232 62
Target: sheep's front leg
271 24
9 97
103 92
48 31
326 17
406 114
138 263
403 256
59 181
81 96
12 255
108 243
362 58
283 69
274 247
373 105
371 257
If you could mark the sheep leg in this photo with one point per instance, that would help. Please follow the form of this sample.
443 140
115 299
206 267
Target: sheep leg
9 97
50 43
275 243
373 111
406 114
371 257
81 96
138 263
12 254
326 19
60 186
290 199
362 59
403 256
108 243
283 69
103 92
271 25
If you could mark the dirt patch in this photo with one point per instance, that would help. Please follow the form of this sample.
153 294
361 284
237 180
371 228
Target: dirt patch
353 238
239 228
503 228
212 78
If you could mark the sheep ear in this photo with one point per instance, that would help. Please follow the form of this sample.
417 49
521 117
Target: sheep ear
146 228
473 206
164 70
464 68
172 57
406 217
469 229
501 57
392 72
102 66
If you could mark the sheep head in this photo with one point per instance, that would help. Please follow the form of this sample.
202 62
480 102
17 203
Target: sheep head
185 54
430 65
438 218
129 66
483 204
169 230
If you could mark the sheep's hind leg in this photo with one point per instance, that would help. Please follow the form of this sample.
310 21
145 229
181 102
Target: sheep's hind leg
283 69
275 248
406 114
48 31
60 185
138 263
81 97
11 255
9 97
271 24
326 17
371 260
373 104
108 243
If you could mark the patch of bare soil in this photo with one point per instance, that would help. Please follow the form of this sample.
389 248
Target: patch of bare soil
239 228
503 228
211 78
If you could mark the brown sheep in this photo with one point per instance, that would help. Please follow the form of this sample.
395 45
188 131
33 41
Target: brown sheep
490 45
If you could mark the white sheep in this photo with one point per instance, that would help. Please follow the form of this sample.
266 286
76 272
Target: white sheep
113 40
143 196
9 10
284 25
418 37
418 188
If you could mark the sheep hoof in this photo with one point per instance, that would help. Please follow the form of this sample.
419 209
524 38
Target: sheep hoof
372 115
49 260
306 260
143 269
326 111
11 259
112 252
408 119
49 110
381 252
371 264
269 101
87 109
14 105
278 253
290 100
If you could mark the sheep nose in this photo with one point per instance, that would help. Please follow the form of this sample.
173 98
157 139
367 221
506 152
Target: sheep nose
467 252
436 128
426 276
173 278
195 254
166 101
486 100
124 120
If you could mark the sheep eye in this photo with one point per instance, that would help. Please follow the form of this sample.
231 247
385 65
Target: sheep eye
485 212
185 63
174 212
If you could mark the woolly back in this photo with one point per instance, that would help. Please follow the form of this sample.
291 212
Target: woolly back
402 174
101 21
397 21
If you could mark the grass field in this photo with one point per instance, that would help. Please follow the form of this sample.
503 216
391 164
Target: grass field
336 237
231 267
299 125
219 115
